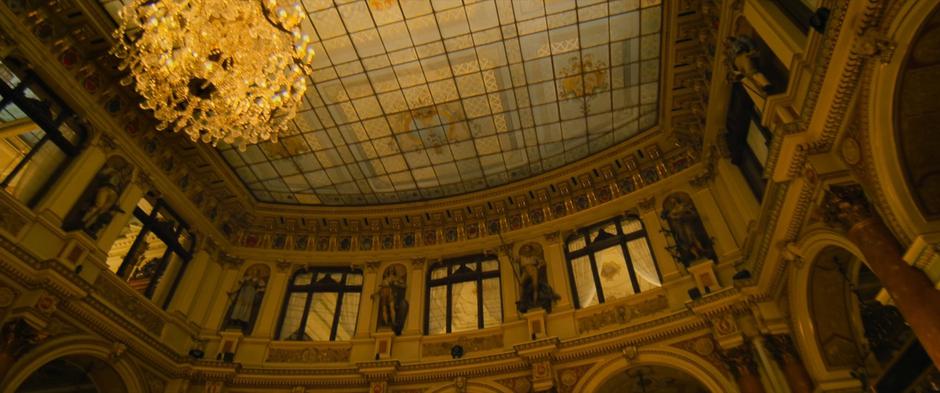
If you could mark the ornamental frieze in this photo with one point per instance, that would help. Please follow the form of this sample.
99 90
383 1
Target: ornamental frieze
129 304
309 354
621 314
469 344
569 377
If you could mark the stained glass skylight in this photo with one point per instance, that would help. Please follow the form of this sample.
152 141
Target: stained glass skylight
419 99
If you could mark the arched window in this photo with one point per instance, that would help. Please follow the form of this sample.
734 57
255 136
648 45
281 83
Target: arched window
321 304
463 294
153 250
610 260
39 134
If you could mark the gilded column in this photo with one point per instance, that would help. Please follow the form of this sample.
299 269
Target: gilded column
508 284
226 283
781 346
69 186
364 324
845 207
557 270
193 278
415 299
273 299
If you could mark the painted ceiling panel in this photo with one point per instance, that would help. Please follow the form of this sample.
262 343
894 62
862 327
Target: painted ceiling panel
418 99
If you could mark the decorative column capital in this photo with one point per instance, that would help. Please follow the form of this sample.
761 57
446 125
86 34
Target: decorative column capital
372 266
230 262
418 263
845 206
647 204
284 266
553 237
781 347
740 361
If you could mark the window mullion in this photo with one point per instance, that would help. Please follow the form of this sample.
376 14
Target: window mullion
336 313
480 295
302 328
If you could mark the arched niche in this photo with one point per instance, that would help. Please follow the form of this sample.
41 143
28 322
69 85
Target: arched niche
707 375
917 112
804 277
660 379
900 138
107 369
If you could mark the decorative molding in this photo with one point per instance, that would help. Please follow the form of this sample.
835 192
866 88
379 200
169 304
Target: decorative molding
469 344
621 314
309 354
130 303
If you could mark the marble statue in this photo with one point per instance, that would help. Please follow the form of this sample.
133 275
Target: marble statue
691 241
533 279
741 54
393 307
98 204
246 299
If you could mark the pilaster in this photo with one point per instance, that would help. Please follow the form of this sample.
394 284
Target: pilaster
366 304
273 299
557 268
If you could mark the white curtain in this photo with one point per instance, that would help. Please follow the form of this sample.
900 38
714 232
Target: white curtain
643 264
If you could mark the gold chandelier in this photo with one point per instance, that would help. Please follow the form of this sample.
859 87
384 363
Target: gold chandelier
219 70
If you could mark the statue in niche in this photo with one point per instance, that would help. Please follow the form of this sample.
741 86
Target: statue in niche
393 307
97 205
691 241
530 269
246 299
741 54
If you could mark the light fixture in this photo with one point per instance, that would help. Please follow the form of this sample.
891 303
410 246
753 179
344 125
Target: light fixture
218 70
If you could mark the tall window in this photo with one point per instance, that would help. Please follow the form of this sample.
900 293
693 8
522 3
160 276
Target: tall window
611 260
321 304
39 135
463 294
152 252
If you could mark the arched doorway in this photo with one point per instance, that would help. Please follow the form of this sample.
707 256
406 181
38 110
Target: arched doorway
74 374
660 379
858 330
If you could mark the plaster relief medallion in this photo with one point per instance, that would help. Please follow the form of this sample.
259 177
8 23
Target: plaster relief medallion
725 325
569 377
851 153
6 297
704 346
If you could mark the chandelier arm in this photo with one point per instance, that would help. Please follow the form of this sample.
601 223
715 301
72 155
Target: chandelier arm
267 16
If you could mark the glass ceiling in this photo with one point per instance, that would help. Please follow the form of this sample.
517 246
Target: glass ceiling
418 99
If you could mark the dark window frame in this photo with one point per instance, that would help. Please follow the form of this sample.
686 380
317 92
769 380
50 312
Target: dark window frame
797 12
340 288
590 248
49 124
453 278
149 222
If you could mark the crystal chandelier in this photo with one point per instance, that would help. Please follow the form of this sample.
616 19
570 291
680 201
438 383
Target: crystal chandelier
219 70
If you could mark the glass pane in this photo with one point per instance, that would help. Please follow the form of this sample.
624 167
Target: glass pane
122 245
584 281
145 205
490 265
643 264
612 269
347 316
439 272
329 278
290 329
353 279
464 306
320 317
303 278
576 243
607 230
437 310
492 305
145 262
631 225
27 182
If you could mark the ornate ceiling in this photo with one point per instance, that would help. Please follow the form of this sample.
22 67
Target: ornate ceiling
415 100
